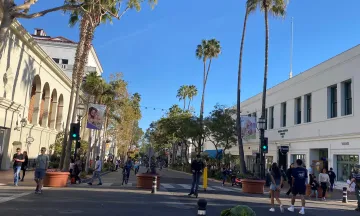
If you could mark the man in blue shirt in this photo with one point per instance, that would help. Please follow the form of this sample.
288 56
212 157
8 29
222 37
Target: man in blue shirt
128 166
299 177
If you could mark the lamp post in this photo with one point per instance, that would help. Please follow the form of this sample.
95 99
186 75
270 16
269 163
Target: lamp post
80 113
261 127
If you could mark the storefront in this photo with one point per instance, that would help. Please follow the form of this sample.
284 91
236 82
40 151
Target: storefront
345 166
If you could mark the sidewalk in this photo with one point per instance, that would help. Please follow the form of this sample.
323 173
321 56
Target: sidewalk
7 178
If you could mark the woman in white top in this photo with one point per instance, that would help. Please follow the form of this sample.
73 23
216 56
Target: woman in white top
324 180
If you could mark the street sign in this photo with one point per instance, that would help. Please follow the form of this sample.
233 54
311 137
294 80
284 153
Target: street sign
284 149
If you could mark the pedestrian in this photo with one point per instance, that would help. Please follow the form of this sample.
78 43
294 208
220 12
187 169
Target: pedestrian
136 167
18 159
299 176
355 178
197 167
128 165
116 164
77 169
275 186
288 175
97 171
332 177
24 165
224 175
42 163
324 182
314 188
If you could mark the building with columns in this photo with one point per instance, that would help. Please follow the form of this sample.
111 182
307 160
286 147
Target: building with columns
314 114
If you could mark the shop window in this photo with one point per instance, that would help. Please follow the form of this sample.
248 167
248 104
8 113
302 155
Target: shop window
345 166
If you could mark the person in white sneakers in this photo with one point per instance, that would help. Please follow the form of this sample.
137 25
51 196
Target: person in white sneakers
275 186
299 177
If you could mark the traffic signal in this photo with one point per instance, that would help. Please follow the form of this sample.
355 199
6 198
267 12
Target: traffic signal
74 131
264 146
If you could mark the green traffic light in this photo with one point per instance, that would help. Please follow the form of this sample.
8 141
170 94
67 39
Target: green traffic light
264 147
74 135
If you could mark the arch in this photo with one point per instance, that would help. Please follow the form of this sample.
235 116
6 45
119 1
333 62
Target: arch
59 116
44 105
35 97
53 110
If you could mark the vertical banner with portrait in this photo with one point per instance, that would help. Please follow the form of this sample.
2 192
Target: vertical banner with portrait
96 116
248 127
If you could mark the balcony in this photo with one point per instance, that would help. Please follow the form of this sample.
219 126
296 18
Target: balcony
69 68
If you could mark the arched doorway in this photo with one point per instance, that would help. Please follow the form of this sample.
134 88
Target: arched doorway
44 106
53 110
60 107
34 105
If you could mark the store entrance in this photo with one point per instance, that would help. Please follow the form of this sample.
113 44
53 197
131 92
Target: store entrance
282 160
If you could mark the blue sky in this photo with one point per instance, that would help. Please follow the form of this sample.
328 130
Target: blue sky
155 49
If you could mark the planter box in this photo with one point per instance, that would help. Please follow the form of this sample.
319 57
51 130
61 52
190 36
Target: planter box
308 192
56 179
145 180
253 186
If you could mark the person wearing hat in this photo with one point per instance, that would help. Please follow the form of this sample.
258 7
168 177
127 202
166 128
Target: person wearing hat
356 179
197 167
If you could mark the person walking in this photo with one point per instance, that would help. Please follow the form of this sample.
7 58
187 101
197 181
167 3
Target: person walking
299 175
324 182
42 164
332 177
314 188
197 167
18 159
224 175
77 169
275 186
355 178
24 165
288 175
97 171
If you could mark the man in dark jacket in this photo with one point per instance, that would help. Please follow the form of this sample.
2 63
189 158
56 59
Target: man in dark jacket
197 167
289 178
332 177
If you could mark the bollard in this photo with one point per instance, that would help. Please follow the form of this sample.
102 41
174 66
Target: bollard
205 178
202 207
344 200
153 190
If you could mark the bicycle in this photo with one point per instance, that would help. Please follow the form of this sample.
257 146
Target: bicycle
125 177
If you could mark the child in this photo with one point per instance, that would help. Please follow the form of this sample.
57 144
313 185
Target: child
314 187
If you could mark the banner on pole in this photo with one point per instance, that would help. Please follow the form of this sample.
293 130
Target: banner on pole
248 127
96 116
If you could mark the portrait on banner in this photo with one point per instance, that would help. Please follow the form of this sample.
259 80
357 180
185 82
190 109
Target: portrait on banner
96 116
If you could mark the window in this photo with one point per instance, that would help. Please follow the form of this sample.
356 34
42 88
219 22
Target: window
332 97
266 119
283 114
56 60
346 102
307 110
271 120
298 110
345 166
65 61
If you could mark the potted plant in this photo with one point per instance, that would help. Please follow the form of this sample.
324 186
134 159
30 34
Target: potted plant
252 184
145 180
240 210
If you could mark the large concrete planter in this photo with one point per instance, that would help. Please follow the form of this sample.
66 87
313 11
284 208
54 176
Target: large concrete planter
308 192
145 180
253 186
56 179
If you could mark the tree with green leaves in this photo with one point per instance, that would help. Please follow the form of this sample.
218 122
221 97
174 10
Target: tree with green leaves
192 92
206 51
182 94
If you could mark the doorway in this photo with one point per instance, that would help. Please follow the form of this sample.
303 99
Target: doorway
282 161
3 142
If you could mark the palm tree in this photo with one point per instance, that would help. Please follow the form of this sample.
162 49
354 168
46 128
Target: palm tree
191 94
250 7
183 93
207 50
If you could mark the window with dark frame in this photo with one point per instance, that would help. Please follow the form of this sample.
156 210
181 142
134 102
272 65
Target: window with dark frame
271 126
65 61
333 101
283 109
308 108
298 110
56 60
348 98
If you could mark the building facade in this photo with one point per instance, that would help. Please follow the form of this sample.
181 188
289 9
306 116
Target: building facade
34 96
314 114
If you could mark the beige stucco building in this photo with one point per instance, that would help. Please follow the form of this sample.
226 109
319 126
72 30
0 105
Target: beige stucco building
34 96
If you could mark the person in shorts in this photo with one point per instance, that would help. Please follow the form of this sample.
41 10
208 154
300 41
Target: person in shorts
299 175
275 186
42 163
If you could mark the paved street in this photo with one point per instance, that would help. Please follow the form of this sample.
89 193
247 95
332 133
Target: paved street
113 198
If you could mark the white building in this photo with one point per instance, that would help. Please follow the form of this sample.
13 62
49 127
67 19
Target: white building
314 113
34 94
62 51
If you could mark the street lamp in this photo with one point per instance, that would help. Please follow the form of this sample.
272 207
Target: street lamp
23 122
261 127
80 113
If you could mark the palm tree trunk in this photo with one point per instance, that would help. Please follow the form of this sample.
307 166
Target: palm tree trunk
189 104
78 58
266 63
238 111
184 104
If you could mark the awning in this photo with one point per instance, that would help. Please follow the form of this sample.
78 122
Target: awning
212 153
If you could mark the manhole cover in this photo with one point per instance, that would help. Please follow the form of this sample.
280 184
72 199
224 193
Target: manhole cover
71 212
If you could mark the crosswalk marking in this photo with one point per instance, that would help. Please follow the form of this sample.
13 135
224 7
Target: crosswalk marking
167 186
222 188
7 196
186 186
208 188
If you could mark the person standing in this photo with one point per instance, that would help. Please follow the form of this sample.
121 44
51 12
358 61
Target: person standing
197 167
299 177
77 169
355 178
275 186
18 159
288 175
332 177
42 163
97 171
24 165
324 182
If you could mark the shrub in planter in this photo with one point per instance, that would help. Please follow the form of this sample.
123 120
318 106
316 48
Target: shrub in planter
90 171
53 165
240 210
83 175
